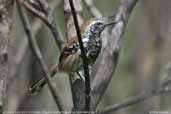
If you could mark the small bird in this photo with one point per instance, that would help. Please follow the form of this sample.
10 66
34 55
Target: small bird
70 60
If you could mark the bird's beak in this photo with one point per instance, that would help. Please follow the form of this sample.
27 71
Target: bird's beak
108 24
111 23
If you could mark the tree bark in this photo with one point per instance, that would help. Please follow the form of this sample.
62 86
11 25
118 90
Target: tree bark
77 87
109 55
5 25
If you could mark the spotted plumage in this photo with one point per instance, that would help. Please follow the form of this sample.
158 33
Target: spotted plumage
70 60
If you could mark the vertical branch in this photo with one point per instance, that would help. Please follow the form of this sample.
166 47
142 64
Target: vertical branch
93 9
6 8
37 53
110 53
23 48
77 86
85 61
21 58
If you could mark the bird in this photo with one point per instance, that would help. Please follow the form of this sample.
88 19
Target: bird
70 60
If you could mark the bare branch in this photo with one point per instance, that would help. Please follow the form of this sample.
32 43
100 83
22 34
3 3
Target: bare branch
46 16
85 61
132 101
37 53
77 86
93 9
162 89
20 57
23 48
6 8
109 56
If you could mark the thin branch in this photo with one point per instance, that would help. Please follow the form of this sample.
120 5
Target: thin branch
78 86
94 11
137 99
46 16
110 53
23 48
83 55
37 53
53 25
21 54
132 101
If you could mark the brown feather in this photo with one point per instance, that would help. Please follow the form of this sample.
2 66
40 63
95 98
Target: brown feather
65 53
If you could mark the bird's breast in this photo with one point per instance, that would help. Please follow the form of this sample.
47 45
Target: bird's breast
70 59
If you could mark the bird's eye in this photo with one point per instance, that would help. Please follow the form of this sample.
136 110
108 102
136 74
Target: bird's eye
75 45
98 23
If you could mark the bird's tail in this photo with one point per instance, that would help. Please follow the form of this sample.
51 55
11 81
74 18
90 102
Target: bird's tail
40 83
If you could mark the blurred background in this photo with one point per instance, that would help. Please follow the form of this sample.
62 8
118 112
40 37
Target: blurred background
144 55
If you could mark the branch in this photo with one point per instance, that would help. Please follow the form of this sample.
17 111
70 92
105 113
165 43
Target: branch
162 89
84 57
93 9
77 86
6 9
46 16
23 48
110 53
37 53
133 100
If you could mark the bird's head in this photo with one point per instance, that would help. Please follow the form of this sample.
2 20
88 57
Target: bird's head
97 26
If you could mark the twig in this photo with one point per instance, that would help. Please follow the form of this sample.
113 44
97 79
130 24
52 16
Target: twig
85 61
110 53
36 51
161 89
136 99
53 25
46 16
23 48
78 86
93 9
21 55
